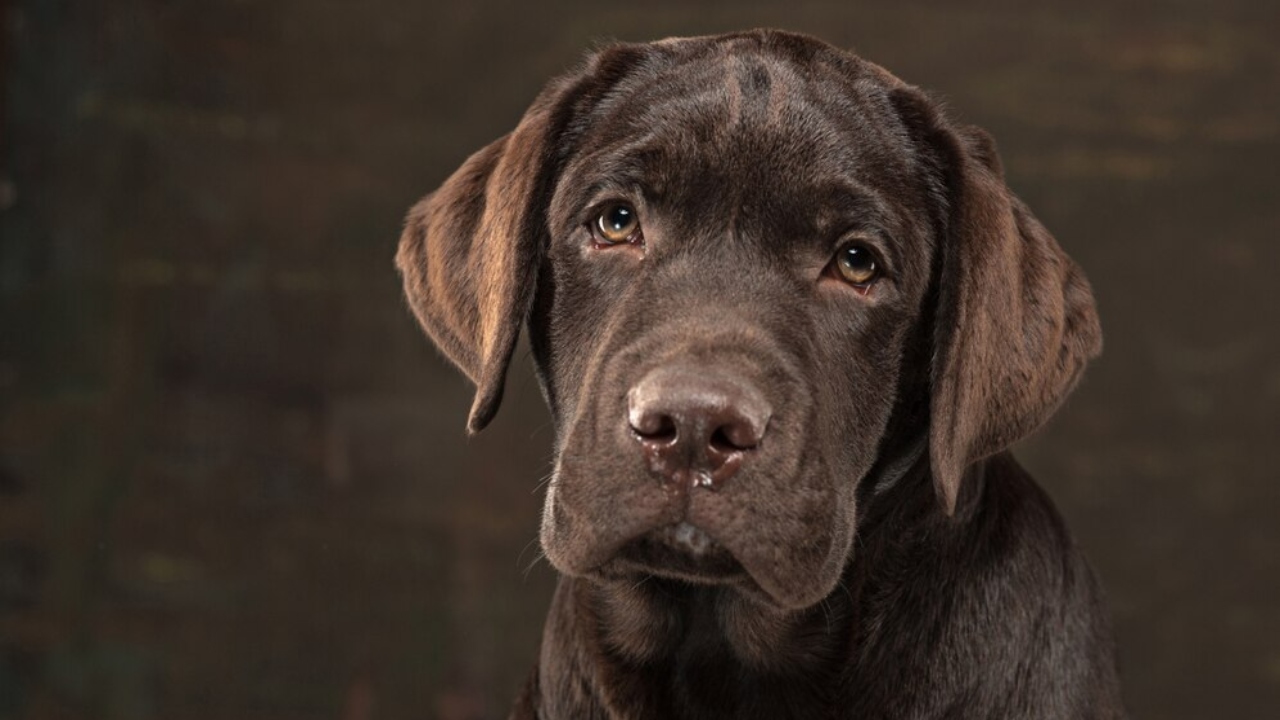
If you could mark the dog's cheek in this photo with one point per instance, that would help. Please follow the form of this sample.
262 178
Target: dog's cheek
796 548
859 394
853 403
562 325
568 534
595 503
553 533
577 317
571 528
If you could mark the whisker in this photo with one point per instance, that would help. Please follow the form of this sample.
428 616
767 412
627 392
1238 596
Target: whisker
542 482
826 612
847 592
536 558
523 550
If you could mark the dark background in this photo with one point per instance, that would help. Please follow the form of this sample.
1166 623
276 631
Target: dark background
234 481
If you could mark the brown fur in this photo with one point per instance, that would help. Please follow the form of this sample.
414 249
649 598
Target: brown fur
877 553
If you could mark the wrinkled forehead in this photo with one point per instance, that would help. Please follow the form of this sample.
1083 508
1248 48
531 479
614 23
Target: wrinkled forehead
749 128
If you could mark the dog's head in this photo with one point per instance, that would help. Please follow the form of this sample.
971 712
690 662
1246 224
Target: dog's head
758 273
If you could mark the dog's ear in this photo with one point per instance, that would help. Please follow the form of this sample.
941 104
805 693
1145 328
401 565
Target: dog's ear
1015 322
468 254
470 250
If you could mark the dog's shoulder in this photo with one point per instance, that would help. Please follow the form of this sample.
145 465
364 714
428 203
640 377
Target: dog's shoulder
997 596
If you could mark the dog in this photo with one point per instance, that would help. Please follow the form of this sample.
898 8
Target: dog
788 318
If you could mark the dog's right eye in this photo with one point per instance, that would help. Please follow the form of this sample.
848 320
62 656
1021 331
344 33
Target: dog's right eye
856 265
616 224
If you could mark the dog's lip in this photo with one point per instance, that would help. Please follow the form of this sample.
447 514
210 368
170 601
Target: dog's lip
690 536
680 550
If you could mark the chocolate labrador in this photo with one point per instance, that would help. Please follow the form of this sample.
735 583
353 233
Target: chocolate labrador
788 318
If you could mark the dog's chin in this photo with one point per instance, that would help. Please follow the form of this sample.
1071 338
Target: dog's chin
681 551
686 553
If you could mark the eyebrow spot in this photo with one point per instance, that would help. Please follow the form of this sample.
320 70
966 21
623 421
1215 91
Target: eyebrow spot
752 91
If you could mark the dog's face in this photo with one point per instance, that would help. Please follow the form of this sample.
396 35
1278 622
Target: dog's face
738 252
759 274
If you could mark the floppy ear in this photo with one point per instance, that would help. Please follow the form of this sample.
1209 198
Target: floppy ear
470 250
1015 323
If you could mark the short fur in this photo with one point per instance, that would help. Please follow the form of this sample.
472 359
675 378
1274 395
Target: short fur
878 554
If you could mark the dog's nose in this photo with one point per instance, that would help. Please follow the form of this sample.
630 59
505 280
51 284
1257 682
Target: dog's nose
696 425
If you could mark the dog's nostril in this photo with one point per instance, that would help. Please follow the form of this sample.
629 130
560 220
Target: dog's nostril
732 438
656 427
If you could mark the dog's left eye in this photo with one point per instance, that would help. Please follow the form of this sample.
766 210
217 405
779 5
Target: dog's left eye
617 223
856 264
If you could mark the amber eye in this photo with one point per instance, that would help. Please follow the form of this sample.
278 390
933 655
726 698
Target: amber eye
856 264
617 224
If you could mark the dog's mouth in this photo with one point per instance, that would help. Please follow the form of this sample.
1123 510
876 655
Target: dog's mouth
681 551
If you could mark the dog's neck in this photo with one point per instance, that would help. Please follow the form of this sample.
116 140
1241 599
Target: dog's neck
659 645
688 626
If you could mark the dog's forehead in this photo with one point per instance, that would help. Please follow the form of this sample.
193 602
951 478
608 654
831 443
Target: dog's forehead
733 119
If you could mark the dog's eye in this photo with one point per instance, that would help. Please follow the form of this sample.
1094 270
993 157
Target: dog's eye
616 224
856 264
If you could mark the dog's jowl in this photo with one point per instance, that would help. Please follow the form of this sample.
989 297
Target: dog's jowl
788 318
